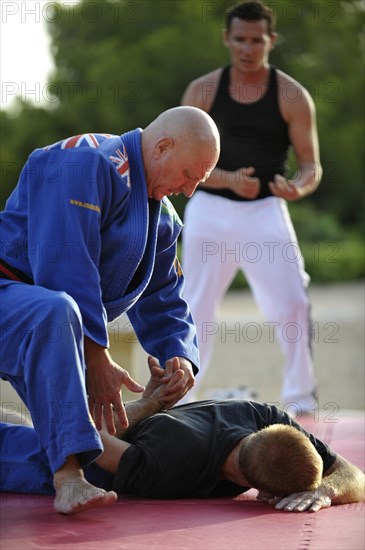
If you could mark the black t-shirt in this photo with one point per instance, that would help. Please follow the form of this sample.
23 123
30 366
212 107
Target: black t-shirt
179 453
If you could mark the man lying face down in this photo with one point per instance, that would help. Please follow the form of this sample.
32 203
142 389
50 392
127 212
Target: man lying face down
204 449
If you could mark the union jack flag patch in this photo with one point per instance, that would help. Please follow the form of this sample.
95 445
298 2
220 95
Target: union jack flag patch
82 140
120 160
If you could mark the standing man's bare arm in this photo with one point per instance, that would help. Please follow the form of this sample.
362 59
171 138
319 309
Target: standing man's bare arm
201 93
298 110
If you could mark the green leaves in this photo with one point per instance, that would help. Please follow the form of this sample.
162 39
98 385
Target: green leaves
119 63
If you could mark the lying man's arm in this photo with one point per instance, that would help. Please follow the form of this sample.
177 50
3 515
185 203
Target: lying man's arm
150 403
342 483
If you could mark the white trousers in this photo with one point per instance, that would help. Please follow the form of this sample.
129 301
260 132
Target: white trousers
221 236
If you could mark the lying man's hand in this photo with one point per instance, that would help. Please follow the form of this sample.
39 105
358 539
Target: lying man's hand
153 399
182 384
156 375
176 385
310 501
164 382
263 496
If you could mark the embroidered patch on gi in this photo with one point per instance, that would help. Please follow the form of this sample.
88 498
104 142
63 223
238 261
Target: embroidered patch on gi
81 140
120 160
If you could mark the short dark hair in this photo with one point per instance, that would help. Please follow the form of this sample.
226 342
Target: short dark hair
252 11
280 460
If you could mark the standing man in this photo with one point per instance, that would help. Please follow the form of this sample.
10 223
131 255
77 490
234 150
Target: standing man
239 218
87 235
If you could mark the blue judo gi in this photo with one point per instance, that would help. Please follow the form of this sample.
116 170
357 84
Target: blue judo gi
81 244
24 466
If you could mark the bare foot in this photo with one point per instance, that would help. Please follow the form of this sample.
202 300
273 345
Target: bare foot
75 494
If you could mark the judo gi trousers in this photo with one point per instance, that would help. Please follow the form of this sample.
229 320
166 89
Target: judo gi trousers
24 467
41 342
222 236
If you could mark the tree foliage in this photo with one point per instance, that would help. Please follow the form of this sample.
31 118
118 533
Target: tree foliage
119 63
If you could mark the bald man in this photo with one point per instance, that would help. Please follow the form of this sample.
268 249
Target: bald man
87 235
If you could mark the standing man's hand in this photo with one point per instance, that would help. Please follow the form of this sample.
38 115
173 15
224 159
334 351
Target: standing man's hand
285 189
244 184
104 382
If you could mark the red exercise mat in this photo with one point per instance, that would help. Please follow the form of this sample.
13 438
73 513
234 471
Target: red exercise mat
28 521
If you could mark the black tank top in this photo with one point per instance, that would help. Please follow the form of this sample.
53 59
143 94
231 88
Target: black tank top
252 134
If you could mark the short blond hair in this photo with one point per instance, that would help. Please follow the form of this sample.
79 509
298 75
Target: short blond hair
281 460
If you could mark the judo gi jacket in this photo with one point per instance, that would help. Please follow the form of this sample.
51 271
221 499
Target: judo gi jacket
80 221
